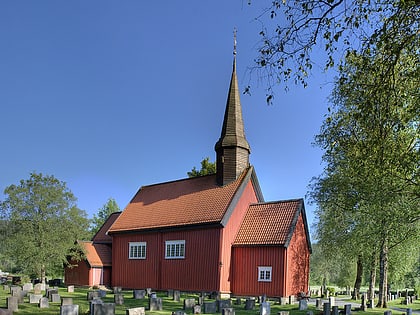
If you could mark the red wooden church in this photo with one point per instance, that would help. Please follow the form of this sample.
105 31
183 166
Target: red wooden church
215 232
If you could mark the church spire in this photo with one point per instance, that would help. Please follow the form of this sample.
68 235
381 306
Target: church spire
232 148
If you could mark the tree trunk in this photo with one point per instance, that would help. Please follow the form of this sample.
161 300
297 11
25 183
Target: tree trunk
383 274
358 281
372 279
43 273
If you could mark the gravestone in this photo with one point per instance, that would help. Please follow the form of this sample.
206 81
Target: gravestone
50 292
189 304
309 313
117 290
103 309
409 311
303 305
291 299
363 305
283 300
249 304
238 301
283 313
28 287
155 304
170 294
221 304
331 300
318 304
265 308
44 303
102 293
69 309
92 295
139 294
4 311
228 311
179 313
93 303
197 309
149 291
15 290
37 288
34 298
21 296
210 307
326 309
335 310
119 299
347 309
135 311
55 298
177 295
70 289
12 303
66 301
387 313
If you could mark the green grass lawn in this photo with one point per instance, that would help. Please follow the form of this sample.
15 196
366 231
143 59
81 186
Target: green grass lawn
169 306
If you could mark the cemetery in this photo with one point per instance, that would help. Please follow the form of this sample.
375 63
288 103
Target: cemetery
70 300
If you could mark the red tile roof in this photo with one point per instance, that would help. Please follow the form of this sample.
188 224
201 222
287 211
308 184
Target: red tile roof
97 255
270 223
190 201
101 236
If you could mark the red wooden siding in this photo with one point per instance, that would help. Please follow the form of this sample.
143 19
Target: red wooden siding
197 271
77 275
245 262
298 261
229 232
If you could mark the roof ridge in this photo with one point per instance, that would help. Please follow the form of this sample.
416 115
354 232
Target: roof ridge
276 201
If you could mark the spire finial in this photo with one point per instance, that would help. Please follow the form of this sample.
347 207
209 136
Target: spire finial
234 41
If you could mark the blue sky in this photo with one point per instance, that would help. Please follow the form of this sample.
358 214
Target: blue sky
109 96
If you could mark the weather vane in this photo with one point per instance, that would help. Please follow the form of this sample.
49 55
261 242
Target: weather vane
234 41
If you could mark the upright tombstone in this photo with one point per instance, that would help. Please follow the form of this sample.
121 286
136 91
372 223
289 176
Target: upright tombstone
44 303
335 310
69 309
139 294
119 299
189 304
28 287
15 290
135 311
331 300
92 305
12 303
197 309
38 288
155 304
117 290
66 301
221 304
363 305
291 299
318 304
177 295
209 307
326 309
55 298
347 309
249 304
34 298
387 313
70 289
409 311
5 311
228 311
265 308
303 305
103 309
283 300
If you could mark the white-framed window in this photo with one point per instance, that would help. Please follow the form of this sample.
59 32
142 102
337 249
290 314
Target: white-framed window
264 273
137 250
175 249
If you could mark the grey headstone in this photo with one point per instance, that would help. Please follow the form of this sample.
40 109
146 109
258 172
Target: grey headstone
69 309
15 290
303 305
66 301
170 294
117 290
283 300
228 311
177 295
70 288
28 287
347 309
139 294
249 304
93 294
34 298
93 303
197 309
318 304
291 299
210 307
387 313
102 293
265 308
55 298
12 303
155 304
4 311
135 311
221 304
335 310
37 288
238 301
21 296
118 299
189 304
44 303
103 309
180 313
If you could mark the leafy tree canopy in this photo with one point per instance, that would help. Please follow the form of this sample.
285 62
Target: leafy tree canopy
207 168
43 223
99 218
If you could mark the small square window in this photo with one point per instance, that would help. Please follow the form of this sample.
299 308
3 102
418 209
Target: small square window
137 250
264 273
175 249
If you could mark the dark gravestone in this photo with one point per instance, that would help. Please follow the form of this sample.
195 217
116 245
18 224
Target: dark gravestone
347 309
69 309
327 309
221 304
210 307
238 301
93 295
155 304
387 313
170 294
44 303
335 310
93 303
249 304
119 299
189 304
177 295
265 308
12 303
303 305
318 304
179 313
135 311
409 311
139 294
66 301
103 309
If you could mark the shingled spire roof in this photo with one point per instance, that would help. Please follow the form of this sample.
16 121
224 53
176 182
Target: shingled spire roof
232 149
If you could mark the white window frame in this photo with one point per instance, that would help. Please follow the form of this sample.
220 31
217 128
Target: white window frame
265 273
137 250
175 249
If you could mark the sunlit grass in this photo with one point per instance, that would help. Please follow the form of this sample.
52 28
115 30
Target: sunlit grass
80 298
